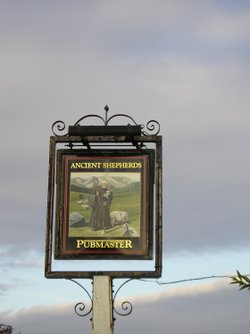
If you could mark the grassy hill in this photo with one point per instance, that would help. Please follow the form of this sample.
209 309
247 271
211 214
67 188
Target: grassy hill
127 200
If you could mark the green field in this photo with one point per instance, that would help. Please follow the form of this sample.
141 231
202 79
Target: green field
122 201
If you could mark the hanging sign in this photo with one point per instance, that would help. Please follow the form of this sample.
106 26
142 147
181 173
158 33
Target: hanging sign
104 206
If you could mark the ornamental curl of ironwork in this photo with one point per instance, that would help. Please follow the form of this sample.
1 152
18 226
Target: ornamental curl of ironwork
126 306
80 308
58 126
151 128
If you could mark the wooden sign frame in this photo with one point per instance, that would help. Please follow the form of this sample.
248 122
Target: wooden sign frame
144 161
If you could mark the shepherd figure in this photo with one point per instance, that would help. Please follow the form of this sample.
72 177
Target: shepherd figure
100 201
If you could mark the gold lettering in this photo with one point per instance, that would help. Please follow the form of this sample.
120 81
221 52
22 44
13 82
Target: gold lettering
79 243
128 244
127 165
85 165
109 165
100 244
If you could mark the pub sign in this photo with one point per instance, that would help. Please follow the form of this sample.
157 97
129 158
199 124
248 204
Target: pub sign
104 198
104 204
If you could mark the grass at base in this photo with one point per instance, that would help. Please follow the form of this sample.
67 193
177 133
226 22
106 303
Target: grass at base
124 201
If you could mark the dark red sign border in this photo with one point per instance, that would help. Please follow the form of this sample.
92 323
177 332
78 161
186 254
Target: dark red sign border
115 248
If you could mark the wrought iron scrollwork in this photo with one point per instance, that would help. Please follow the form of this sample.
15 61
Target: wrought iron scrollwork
122 115
105 120
58 126
89 116
80 308
151 128
126 306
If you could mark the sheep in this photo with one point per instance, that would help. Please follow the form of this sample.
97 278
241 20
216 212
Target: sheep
118 217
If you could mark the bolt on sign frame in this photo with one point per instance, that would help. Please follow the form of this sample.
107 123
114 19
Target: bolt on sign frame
104 201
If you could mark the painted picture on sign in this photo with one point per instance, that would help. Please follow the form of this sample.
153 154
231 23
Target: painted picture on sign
104 205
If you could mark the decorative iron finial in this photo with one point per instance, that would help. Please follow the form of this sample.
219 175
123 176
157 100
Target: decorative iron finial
106 108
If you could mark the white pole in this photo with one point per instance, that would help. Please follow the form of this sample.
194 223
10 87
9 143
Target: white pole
102 321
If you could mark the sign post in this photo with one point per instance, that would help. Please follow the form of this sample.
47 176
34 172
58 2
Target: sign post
102 320
104 203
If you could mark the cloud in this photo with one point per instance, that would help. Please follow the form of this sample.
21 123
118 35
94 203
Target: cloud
145 60
185 64
4 288
206 309
203 308
41 319
14 257
227 27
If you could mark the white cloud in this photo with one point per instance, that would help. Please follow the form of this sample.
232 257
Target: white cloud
202 107
225 28
182 291
202 309
54 318
185 64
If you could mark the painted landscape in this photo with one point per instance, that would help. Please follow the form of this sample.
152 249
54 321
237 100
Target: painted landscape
124 210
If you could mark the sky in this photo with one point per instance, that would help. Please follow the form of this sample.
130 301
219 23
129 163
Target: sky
185 64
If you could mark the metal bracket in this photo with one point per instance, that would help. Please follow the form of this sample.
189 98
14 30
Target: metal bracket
80 308
126 306
152 127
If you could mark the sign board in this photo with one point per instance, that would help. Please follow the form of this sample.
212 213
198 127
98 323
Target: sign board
104 200
104 206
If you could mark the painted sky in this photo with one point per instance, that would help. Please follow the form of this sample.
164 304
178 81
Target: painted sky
186 65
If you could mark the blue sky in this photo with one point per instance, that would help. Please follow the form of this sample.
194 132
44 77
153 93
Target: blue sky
182 63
